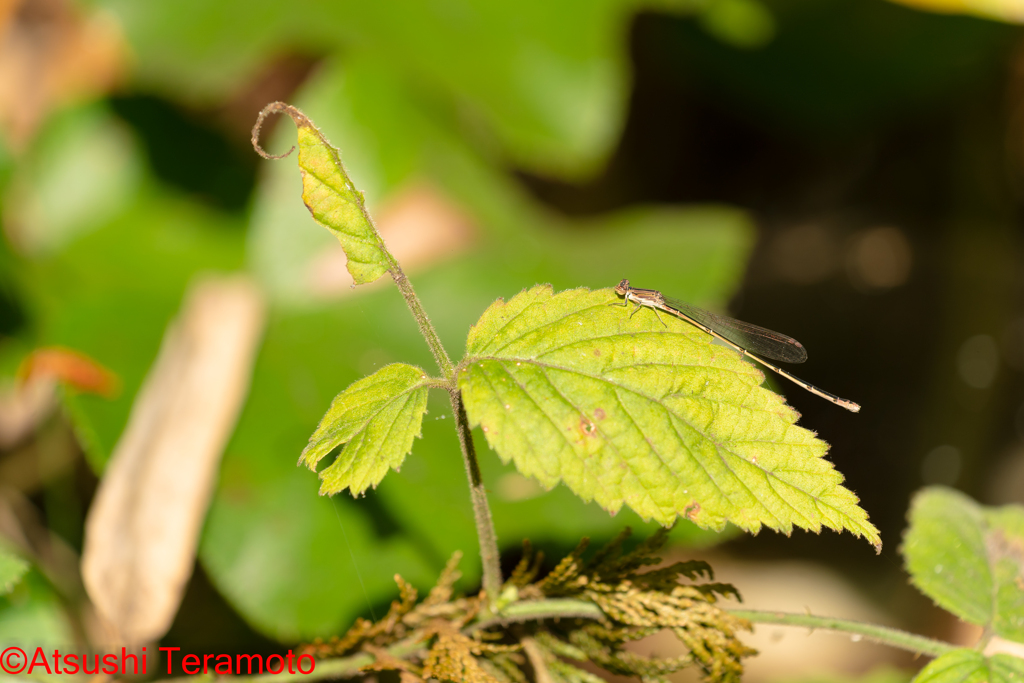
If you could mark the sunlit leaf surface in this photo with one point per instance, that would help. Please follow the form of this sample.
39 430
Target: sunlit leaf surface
336 204
648 413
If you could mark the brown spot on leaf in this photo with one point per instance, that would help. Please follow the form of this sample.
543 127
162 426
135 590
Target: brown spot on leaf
587 426
692 510
599 414
1000 546
597 352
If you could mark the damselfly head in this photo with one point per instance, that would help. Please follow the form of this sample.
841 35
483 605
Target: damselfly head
622 288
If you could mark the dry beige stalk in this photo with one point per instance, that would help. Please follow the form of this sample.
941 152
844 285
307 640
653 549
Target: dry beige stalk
143 528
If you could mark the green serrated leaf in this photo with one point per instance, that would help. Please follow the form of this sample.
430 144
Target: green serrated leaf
377 417
12 568
971 666
648 413
968 558
337 205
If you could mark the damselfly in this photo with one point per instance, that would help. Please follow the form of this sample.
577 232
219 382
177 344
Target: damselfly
749 340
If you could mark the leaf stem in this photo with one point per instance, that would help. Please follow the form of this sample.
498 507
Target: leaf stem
444 362
884 635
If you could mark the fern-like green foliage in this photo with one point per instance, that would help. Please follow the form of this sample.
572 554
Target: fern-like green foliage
437 639
639 604
647 412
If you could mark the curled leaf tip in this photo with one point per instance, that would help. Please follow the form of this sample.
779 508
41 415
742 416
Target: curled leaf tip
298 117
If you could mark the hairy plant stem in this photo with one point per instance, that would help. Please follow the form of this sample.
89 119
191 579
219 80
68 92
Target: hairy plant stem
416 308
489 556
884 635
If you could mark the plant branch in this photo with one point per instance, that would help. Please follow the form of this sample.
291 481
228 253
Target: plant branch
492 580
489 556
883 635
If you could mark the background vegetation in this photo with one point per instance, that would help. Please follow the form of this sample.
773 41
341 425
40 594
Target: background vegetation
848 172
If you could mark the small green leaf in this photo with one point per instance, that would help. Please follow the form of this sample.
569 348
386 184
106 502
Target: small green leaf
630 409
12 568
333 200
377 417
971 666
969 559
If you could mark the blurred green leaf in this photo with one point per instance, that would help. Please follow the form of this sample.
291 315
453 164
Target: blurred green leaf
126 276
377 419
971 666
32 616
110 269
967 558
629 409
12 568
548 81
880 674
296 565
742 23
83 169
